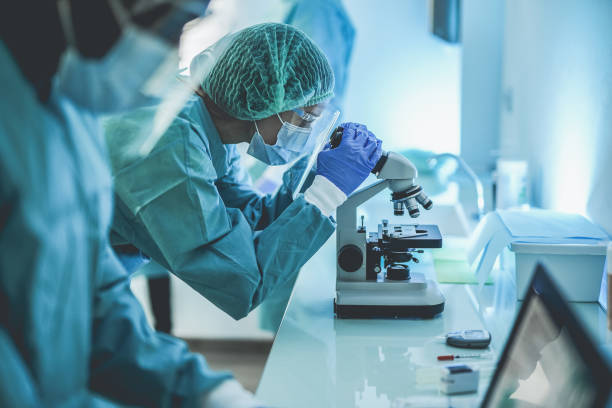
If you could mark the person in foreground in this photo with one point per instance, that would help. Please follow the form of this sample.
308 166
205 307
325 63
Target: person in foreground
71 332
190 205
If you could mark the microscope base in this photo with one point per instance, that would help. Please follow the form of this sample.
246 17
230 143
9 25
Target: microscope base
388 299
377 311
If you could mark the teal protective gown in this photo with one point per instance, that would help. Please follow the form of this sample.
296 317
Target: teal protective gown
71 332
190 206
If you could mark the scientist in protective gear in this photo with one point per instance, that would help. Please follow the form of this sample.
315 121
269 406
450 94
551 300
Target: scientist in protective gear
71 331
190 205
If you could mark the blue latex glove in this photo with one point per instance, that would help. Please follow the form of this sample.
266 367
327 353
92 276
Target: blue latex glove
349 164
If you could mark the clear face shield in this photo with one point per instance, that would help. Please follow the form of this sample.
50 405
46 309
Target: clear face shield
182 88
140 69
165 88
301 135
284 137
322 128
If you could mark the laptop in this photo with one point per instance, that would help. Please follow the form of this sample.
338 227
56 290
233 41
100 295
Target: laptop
549 360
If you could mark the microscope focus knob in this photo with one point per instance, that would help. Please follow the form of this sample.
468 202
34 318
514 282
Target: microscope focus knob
350 258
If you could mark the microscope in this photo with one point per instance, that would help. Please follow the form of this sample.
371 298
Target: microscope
373 276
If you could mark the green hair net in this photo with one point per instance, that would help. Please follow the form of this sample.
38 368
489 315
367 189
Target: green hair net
265 69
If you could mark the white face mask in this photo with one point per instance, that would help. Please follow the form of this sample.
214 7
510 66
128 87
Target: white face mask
139 68
291 143
119 80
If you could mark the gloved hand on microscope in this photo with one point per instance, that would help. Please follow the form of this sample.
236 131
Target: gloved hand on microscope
343 165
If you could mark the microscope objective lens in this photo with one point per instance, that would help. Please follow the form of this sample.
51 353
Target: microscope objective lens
398 208
424 201
412 207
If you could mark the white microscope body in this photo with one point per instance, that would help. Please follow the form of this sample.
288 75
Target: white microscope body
361 289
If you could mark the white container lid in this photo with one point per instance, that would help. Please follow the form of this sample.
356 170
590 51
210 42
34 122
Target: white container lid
596 248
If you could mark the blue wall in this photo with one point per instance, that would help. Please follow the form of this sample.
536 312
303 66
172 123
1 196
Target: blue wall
557 75
482 41
403 83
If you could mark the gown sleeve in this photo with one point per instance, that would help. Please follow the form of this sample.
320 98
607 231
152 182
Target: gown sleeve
237 191
130 362
170 206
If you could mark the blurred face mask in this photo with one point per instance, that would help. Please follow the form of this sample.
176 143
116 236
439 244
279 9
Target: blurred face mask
118 81
138 68
291 143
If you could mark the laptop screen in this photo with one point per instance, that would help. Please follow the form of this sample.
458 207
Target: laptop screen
549 360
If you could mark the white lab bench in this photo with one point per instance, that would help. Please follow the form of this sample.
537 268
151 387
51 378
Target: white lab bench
320 361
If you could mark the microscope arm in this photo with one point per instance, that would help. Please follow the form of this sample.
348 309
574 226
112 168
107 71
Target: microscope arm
347 212
398 174
399 171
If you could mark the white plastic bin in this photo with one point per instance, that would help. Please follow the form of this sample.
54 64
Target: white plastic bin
576 268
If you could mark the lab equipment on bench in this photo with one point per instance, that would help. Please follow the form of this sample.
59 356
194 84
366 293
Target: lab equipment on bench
549 359
459 379
577 268
361 289
451 357
477 339
511 184
572 247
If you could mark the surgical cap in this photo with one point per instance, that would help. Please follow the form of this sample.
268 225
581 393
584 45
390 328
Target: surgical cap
266 69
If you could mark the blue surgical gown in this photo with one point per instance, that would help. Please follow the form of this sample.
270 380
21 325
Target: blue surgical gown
71 332
190 206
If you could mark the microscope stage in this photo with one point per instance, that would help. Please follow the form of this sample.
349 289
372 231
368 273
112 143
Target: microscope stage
402 236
